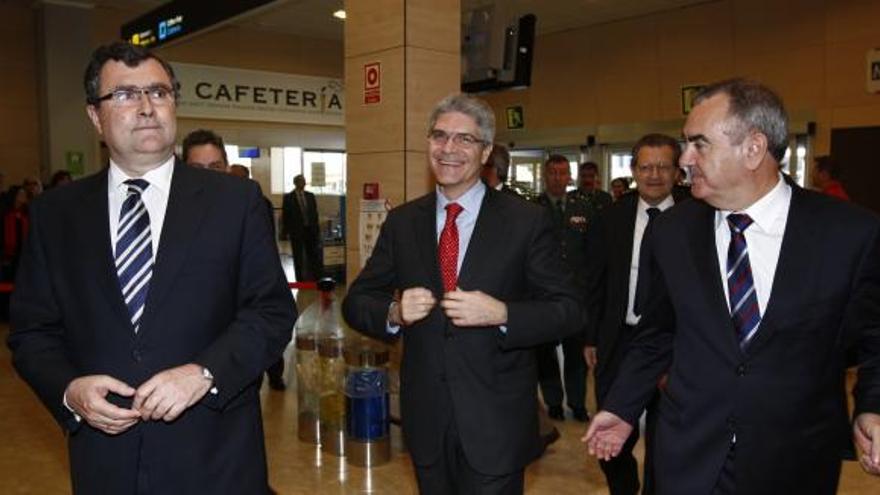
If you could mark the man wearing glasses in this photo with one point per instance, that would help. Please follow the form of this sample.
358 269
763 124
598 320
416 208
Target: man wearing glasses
480 283
613 275
149 300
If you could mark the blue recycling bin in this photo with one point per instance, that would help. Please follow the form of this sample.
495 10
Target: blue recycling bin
367 416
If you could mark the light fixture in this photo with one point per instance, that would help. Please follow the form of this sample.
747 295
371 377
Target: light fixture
339 14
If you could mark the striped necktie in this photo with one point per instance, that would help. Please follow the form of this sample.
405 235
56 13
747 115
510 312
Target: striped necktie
744 309
134 251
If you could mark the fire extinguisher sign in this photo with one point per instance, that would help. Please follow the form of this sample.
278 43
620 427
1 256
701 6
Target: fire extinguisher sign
372 83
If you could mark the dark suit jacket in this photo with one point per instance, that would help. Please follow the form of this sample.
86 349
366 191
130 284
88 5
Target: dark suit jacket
484 378
609 243
783 397
293 220
218 297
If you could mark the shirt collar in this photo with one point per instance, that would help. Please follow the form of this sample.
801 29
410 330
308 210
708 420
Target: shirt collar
470 200
159 177
668 202
767 212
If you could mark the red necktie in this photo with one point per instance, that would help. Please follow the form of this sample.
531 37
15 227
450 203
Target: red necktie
448 248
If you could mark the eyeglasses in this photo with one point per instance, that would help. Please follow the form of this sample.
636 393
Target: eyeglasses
647 168
131 95
465 140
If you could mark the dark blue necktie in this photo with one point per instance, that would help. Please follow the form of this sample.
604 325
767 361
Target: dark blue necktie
134 251
744 308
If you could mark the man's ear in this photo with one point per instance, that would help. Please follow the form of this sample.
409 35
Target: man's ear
755 145
92 112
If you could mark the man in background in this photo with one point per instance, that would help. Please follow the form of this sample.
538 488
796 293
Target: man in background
204 149
299 217
826 177
588 188
571 218
494 172
614 245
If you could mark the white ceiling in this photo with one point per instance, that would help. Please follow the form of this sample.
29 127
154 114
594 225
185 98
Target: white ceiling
313 19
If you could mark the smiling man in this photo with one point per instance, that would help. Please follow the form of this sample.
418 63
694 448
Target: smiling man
147 349
613 274
481 283
758 291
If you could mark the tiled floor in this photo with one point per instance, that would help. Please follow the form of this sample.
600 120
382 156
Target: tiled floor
33 458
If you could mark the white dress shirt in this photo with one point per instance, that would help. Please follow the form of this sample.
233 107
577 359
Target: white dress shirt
155 198
763 238
471 201
638 233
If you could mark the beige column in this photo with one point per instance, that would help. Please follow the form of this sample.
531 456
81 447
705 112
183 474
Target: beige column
416 44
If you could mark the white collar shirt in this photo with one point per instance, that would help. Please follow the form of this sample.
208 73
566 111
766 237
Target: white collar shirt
763 238
155 198
638 234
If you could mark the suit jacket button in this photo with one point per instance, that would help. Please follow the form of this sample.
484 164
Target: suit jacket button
136 355
741 370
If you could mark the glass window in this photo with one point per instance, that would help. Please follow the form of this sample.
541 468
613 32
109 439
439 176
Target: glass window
325 171
234 159
620 161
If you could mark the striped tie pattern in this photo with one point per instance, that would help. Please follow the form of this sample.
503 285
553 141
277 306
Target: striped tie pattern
744 308
134 251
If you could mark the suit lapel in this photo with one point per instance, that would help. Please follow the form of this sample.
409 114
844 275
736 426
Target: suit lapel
794 254
705 256
184 213
96 228
487 228
425 228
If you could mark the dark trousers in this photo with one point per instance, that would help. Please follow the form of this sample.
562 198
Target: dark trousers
574 371
308 261
453 475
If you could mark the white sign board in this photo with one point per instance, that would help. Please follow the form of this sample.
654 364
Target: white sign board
319 174
373 213
874 71
235 94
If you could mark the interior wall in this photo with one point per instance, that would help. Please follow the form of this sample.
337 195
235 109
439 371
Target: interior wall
630 72
19 106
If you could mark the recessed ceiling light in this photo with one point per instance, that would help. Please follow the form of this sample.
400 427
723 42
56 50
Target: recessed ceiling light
339 14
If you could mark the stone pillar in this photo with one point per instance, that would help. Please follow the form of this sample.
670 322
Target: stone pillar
417 46
65 39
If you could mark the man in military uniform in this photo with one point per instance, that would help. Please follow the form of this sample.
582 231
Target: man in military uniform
571 214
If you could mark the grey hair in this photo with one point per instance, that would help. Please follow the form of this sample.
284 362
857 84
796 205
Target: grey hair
755 108
473 107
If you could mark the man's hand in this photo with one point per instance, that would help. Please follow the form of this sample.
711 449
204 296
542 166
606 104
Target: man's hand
606 435
86 395
866 432
473 309
415 304
590 356
168 393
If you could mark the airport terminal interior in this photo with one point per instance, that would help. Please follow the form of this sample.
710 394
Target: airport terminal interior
339 92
